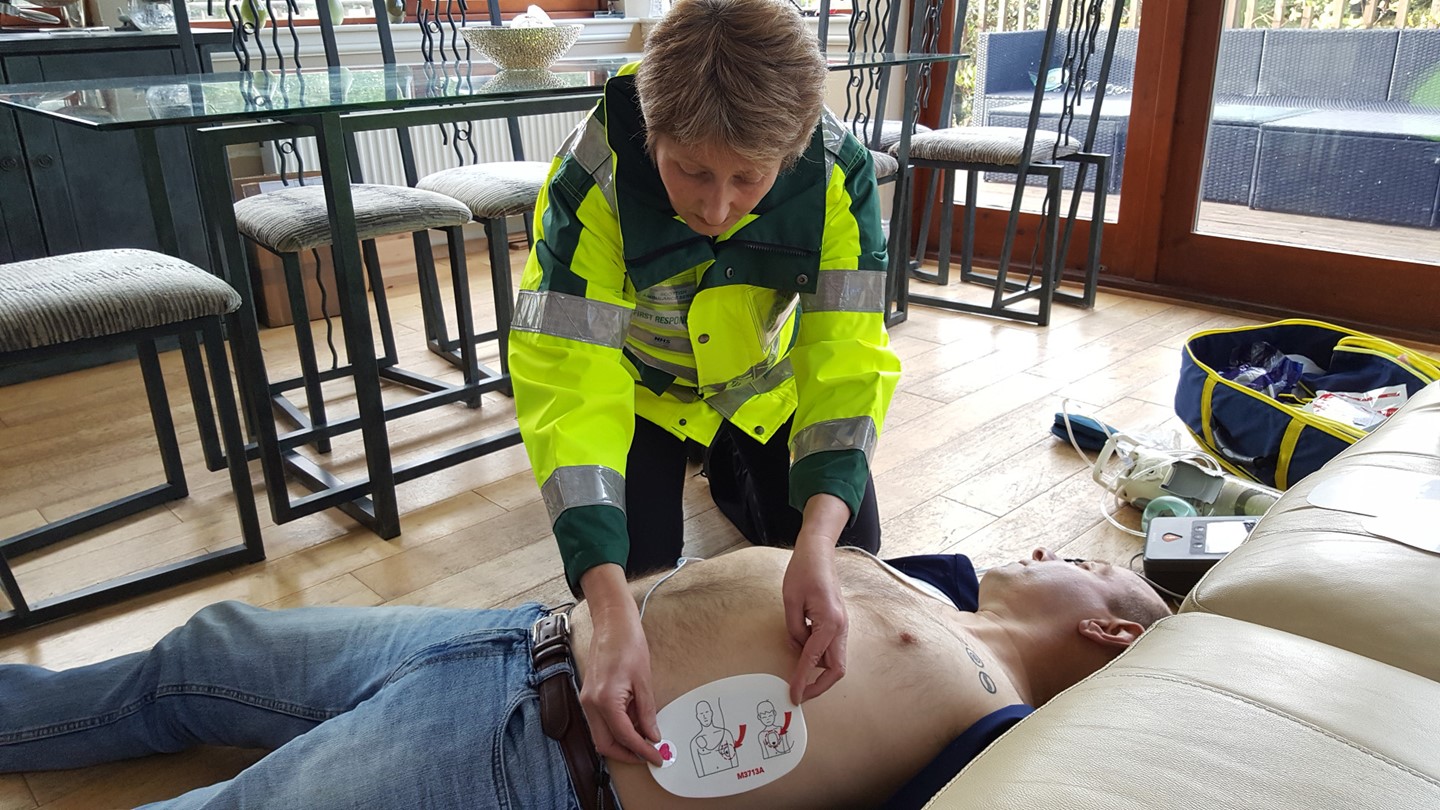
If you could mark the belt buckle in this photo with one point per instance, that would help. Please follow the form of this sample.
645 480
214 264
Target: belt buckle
564 630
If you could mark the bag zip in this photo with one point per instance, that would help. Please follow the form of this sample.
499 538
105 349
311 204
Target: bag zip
1324 424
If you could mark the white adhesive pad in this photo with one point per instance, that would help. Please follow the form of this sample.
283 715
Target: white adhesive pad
730 736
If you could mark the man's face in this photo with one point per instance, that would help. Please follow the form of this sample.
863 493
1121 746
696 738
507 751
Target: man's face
1047 585
711 187
767 716
702 713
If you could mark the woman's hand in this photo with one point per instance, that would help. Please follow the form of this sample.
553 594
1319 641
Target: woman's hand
618 701
814 610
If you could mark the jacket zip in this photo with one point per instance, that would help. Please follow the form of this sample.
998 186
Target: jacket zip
772 248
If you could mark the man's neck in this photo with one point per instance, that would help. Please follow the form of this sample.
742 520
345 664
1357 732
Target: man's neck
1036 664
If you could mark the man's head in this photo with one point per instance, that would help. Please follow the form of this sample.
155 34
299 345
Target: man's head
703 713
731 91
1095 605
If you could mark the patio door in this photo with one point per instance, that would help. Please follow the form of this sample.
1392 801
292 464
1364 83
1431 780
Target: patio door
1304 161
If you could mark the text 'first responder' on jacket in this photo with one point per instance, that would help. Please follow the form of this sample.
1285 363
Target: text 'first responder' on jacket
625 311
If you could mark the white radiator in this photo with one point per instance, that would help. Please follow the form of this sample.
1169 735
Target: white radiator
436 148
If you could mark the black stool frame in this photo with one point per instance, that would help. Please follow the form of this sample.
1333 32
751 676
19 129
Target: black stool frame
23 613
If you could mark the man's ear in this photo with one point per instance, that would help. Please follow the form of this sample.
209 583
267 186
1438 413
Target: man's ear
1112 633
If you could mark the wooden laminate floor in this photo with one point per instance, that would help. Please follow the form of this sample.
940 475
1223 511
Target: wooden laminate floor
965 464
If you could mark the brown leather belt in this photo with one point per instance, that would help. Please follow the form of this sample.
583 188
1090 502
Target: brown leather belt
561 716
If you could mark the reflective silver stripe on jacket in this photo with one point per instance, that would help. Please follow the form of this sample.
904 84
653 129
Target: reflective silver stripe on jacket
832 133
570 316
745 377
855 433
590 485
675 370
588 146
728 402
847 291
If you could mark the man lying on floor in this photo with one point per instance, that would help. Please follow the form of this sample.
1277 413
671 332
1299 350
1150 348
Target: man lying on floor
404 707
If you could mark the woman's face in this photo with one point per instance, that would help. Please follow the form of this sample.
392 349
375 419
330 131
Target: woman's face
711 187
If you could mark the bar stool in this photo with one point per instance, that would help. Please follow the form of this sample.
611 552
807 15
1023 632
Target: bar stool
493 192
84 301
291 221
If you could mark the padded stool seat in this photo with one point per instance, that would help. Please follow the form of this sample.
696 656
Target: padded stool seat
61 299
889 133
1001 146
492 190
885 165
295 219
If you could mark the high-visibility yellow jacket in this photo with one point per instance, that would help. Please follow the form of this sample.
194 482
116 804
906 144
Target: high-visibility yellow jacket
624 310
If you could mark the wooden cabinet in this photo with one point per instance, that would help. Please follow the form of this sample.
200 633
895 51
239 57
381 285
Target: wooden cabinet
64 188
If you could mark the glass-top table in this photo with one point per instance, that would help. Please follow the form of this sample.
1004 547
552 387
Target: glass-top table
217 98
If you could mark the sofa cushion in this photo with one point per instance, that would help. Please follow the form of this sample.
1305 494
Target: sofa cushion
1237 68
1318 573
1414 80
1207 711
1297 62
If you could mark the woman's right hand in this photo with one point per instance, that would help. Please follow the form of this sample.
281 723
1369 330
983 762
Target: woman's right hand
618 701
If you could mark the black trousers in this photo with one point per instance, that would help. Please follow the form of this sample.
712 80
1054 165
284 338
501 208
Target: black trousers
751 484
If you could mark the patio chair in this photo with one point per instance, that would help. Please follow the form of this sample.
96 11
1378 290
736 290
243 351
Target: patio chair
84 302
1043 147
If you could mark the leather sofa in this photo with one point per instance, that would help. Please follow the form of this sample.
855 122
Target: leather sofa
1302 672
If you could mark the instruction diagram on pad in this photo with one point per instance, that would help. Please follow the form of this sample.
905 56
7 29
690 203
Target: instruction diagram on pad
737 734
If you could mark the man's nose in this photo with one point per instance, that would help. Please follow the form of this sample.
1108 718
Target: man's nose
1041 554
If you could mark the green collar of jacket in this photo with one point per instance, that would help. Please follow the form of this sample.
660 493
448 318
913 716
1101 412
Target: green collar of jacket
779 249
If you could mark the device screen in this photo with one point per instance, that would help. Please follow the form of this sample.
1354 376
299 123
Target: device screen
1225 536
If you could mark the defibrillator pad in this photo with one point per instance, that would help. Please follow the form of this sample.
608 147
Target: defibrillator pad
729 736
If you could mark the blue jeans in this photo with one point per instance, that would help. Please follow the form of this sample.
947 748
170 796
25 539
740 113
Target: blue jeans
363 707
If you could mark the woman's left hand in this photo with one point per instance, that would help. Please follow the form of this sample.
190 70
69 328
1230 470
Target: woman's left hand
814 609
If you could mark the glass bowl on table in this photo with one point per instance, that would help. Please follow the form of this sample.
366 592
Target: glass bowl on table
522 48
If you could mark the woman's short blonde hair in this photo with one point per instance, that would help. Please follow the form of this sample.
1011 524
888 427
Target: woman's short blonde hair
747 75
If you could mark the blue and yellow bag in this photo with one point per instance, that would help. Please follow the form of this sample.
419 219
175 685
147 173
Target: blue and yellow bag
1273 440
